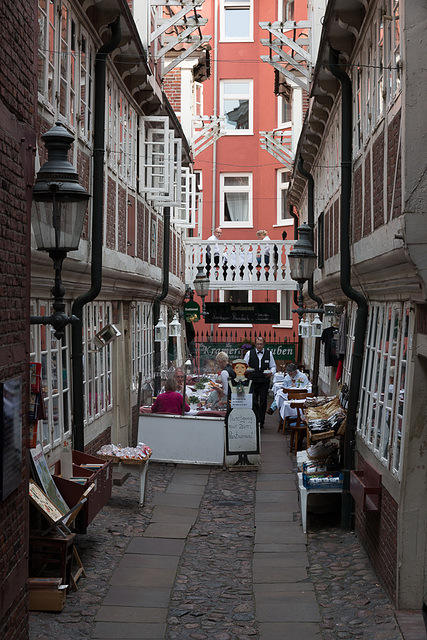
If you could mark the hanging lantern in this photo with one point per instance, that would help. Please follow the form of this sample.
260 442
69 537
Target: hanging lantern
175 328
304 329
316 327
160 331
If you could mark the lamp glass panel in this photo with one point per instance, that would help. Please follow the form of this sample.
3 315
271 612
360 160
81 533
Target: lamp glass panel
301 267
58 223
316 327
175 328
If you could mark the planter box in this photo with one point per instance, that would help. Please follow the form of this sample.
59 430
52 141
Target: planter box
365 487
102 478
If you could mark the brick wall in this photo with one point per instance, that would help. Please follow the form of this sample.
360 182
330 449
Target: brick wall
367 226
394 175
172 88
378 180
94 445
122 220
377 531
357 205
17 142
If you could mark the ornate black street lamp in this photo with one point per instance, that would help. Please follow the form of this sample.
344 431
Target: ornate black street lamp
201 286
302 262
58 213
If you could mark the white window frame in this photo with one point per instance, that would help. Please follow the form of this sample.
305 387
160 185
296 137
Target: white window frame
238 96
382 415
142 343
154 159
197 99
55 379
236 189
97 364
67 70
63 68
236 5
112 123
184 214
280 102
282 188
285 297
87 61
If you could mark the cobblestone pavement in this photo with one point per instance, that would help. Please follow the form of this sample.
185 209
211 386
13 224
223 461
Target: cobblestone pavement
353 605
213 587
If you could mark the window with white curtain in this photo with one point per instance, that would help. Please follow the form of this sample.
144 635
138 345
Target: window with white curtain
237 106
236 199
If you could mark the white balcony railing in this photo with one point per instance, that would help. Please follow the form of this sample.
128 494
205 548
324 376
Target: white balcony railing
241 264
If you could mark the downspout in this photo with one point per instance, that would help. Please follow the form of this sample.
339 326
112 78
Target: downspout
295 217
319 301
97 231
362 305
296 292
161 296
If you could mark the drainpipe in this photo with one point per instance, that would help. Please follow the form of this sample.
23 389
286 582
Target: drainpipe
161 296
296 292
97 231
310 206
362 305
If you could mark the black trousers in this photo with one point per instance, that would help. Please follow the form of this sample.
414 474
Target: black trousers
260 393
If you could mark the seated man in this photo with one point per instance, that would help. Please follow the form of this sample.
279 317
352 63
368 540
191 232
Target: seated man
294 379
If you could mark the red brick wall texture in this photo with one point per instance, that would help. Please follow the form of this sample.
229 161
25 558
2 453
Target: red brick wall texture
377 531
18 93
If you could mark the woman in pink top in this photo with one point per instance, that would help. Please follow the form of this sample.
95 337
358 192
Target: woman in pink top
170 401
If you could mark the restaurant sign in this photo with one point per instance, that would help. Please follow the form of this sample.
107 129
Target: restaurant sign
243 312
209 350
191 312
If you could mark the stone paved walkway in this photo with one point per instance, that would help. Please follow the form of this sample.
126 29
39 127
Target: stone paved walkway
219 555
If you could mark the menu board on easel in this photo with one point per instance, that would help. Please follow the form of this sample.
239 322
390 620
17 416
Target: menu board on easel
242 434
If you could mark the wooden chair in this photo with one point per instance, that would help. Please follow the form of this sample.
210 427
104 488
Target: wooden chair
293 394
298 428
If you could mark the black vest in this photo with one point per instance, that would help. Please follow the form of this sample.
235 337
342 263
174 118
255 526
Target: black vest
254 363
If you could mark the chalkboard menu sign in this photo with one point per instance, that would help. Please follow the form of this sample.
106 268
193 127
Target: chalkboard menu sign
10 436
242 434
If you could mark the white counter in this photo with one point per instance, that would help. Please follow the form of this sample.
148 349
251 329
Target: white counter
183 439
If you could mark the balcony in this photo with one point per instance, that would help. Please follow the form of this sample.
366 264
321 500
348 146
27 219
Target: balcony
242 264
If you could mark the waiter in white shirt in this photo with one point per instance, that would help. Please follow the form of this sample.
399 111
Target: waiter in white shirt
262 362
214 238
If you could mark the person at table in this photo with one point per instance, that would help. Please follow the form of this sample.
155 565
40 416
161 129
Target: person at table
170 401
263 366
220 389
294 379
226 370
179 376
